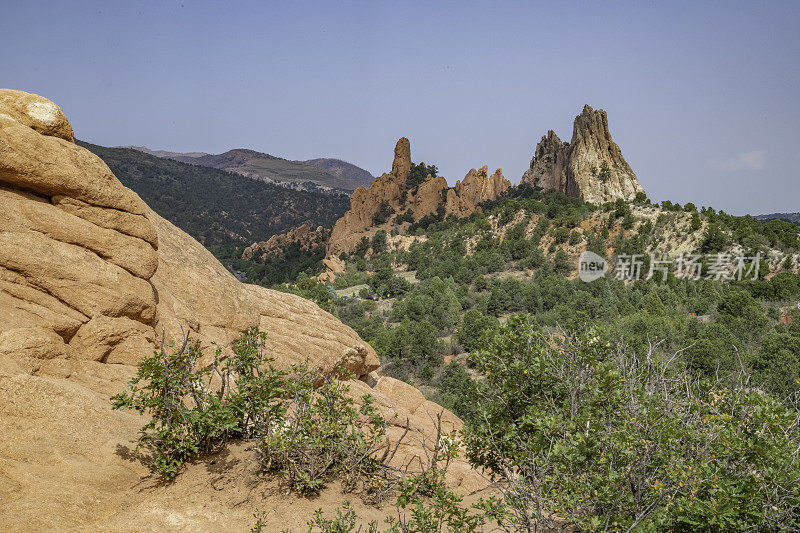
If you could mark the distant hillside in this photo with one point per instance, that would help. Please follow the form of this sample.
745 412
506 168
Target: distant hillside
791 217
179 156
271 169
221 209
343 168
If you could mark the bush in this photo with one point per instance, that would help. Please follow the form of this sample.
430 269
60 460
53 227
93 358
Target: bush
605 439
322 435
405 216
424 503
418 174
307 427
560 235
187 416
714 240
381 216
473 328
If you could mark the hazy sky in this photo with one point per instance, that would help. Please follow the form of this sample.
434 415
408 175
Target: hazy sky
702 97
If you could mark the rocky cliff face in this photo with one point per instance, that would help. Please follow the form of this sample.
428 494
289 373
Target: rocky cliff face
391 193
590 167
91 280
303 235
477 187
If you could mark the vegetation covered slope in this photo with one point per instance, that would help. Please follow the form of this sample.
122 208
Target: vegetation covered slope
272 169
222 210
791 217
343 168
446 282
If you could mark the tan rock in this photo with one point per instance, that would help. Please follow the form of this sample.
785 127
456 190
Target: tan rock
402 394
597 171
51 166
425 199
195 292
334 264
198 294
401 165
113 340
125 223
477 187
429 196
24 305
23 211
548 169
36 112
76 276
32 342
76 294
303 236
298 330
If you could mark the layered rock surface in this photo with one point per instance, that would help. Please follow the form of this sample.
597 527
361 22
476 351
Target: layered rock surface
92 280
431 196
590 167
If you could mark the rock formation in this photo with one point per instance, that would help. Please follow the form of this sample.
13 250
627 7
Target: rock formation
477 187
590 167
302 235
391 191
92 280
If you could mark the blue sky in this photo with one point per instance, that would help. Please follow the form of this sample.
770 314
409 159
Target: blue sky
702 97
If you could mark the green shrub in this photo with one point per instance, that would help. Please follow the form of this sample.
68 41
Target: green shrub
307 427
473 327
322 435
381 216
695 224
379 242
188 416
714 240
418 174
405 216
608 440
560 235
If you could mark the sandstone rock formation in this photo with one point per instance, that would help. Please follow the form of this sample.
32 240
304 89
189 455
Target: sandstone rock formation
302 235
36 112
391 190
590 167
92 280
477 187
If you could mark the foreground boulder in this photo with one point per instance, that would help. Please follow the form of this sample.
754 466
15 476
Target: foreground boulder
590 167
91 281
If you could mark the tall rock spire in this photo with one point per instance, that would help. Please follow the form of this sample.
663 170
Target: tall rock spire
590 167
401 165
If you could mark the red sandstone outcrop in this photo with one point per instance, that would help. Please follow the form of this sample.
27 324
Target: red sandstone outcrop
477 187
390 192
590 167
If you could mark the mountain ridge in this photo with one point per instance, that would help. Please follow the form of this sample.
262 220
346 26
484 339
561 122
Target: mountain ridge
321 174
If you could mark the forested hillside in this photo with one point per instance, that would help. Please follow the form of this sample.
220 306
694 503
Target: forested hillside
447 284
223 210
